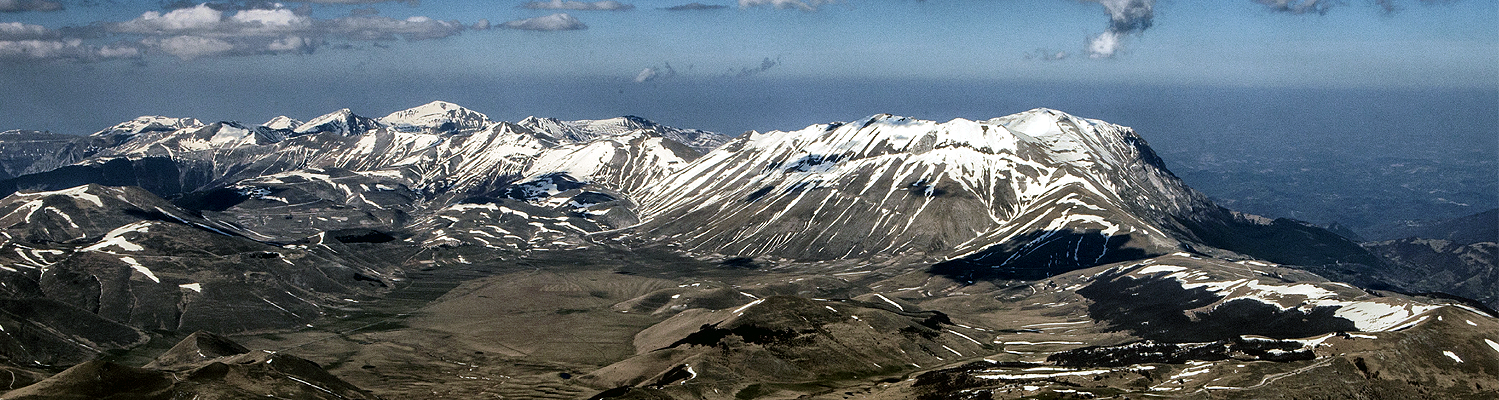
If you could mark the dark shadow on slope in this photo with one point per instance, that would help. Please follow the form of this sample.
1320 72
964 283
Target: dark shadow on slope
158 175
1156 309
216 199
1039 255
758 193
1283 241
542 187
810 161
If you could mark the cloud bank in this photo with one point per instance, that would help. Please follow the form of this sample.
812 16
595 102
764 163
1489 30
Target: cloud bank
208 30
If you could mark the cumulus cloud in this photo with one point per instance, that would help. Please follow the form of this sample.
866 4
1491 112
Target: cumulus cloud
695 7
654 73
1126 17
765 65
554 22
804 5
217 29
189 47
29 5
383 28
608 5
203 30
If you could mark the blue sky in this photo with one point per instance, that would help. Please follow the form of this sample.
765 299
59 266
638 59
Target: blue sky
78 66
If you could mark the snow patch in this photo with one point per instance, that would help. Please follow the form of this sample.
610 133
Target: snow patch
1451 355
140 268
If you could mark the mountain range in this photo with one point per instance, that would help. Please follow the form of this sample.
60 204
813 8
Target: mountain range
436 253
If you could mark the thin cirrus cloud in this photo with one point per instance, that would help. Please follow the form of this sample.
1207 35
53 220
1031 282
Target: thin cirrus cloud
578 5
1128 18
804 5
11 6
554 22
765 65
205 31
654 73
695 7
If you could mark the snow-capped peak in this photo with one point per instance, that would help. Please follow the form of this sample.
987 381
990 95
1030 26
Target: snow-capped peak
341 122
149 123
282 123
438 116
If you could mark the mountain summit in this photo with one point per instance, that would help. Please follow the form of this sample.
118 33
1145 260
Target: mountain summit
436 117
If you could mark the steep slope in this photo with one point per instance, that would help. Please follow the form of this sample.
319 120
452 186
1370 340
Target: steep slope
1018 197
127 257
893 185
342 123
26 152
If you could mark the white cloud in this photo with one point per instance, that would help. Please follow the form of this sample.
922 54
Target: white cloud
203 31
804 5
29 5
654 73
382 28
290 44
72 49
197 18
608 5
554 22
20 31
280 17
1105 45
190 47
26 42
1126 17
